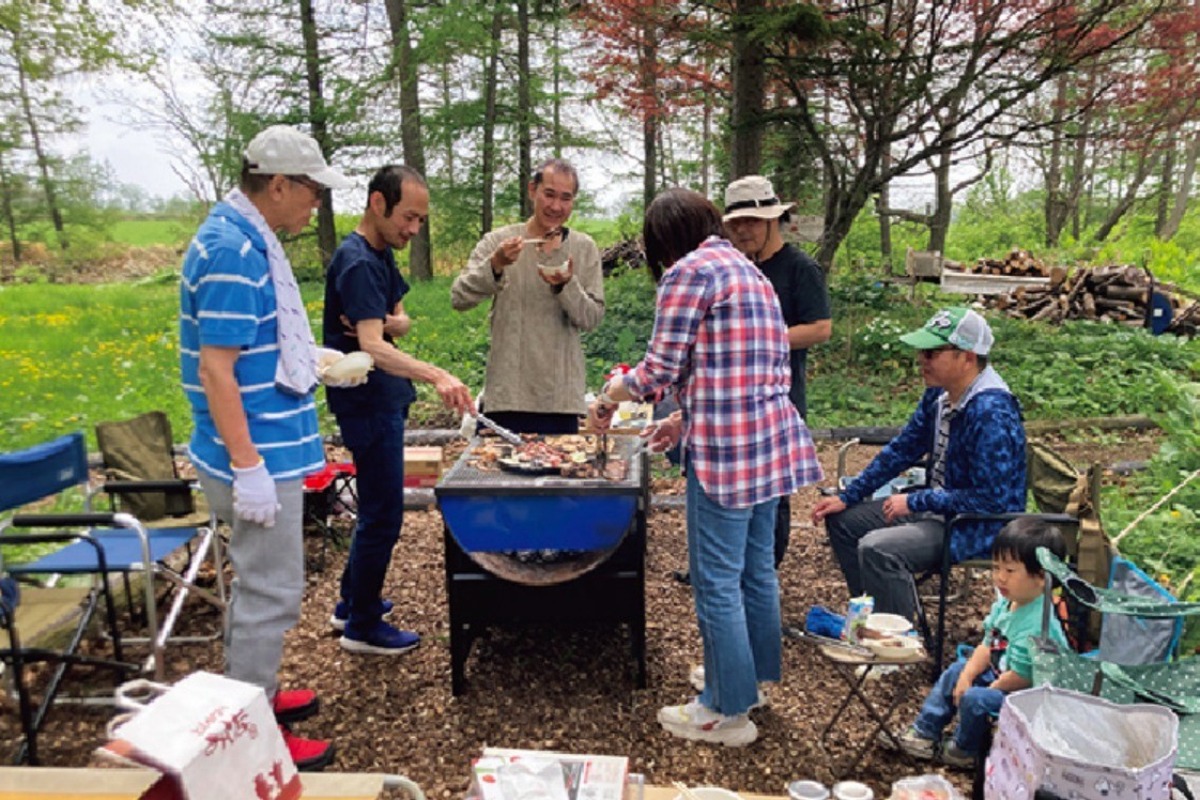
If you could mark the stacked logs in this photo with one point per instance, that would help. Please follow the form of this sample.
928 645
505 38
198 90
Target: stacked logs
628 252
1117 293
1018 263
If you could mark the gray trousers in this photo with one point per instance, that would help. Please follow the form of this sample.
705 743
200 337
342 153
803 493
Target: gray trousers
268 582
879 558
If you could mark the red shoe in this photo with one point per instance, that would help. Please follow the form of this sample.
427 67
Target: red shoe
309 755
294 705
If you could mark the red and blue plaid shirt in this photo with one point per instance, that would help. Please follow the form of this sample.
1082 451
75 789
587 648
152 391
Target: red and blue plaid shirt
720 341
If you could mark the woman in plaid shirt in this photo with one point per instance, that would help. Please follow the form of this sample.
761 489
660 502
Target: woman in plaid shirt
720 345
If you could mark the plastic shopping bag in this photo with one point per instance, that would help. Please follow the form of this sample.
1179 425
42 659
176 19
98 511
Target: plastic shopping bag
1078 746
214 737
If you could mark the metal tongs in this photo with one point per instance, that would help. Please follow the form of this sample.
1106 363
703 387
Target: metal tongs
499 430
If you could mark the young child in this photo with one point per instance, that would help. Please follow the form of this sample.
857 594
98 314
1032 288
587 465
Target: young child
1003 662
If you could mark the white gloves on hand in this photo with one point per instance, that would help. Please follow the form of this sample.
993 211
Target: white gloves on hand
254 498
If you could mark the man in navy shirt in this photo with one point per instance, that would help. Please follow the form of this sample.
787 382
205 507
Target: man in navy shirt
364 310
753 215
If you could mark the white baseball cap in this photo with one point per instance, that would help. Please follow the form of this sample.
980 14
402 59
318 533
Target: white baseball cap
753 196
283 150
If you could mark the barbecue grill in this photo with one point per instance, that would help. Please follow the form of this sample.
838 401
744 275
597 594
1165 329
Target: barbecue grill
524 548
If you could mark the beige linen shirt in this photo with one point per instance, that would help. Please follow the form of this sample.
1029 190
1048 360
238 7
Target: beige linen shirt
535 362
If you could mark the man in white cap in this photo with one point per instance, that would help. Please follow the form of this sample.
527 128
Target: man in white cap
968 433
248 364
753 216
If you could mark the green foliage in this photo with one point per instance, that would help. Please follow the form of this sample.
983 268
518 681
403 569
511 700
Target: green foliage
147 231
628 323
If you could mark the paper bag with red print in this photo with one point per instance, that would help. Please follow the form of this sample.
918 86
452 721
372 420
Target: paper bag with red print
215 737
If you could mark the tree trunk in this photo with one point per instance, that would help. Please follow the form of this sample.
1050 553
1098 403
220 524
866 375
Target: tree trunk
488 165
943 202
326 230
1055 210
647 68
749 80
420 265
556 133
1079 162
524 109
1146 165
885 221
39 151
7 190
1165 186
447 104
1184 190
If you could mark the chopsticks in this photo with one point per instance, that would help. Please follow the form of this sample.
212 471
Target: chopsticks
685 791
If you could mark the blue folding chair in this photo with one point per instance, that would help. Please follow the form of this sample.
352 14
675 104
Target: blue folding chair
48 625
130 549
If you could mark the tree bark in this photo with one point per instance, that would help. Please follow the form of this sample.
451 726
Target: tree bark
420 263
885 220
1165 186
749 80
1055 210
648 69
943 201
1183 191
39 151
326 229
524 109
1146 165
488 163
7 190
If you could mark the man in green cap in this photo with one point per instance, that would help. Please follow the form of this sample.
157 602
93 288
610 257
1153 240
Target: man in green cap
968 434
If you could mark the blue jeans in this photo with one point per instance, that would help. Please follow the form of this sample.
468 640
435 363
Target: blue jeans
377 443
979 703
731 559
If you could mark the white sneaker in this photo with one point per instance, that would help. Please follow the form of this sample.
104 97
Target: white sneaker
698 723
696 679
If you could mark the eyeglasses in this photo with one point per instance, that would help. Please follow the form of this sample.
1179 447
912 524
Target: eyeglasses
307 183
932 352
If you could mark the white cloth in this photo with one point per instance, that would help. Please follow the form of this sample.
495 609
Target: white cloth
296 371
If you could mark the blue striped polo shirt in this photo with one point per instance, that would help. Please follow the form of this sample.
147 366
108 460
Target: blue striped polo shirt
227 299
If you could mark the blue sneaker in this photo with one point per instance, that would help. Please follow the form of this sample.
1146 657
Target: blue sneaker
383 640
341 613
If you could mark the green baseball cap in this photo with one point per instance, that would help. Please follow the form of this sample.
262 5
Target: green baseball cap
958 327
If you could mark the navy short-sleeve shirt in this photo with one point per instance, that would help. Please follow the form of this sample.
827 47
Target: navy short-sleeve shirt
363 283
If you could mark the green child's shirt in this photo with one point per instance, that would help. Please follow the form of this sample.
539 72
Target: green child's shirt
1010 634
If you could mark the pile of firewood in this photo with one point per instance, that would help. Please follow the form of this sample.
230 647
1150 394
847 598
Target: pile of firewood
1117 293
629 252
1019 263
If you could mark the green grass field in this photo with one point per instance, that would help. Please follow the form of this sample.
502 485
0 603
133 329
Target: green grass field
147 232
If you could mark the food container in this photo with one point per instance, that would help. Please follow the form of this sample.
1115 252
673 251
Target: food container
554 262
807 790
887 625
856 616
348 367
852 790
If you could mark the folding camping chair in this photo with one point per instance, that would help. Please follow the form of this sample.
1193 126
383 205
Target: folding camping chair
48 625
323 494
132 549
1061 495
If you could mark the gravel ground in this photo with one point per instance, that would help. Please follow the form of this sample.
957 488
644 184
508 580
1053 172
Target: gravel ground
550 688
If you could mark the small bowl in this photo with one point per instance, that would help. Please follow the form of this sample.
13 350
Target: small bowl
554 262
888 624
711 793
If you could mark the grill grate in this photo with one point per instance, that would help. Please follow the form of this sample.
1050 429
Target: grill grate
463 477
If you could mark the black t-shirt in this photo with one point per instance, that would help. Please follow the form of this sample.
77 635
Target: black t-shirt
363 283
803 297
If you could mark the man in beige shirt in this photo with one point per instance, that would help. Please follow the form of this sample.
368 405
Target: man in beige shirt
546 287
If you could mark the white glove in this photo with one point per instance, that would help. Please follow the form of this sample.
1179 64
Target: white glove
254 498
